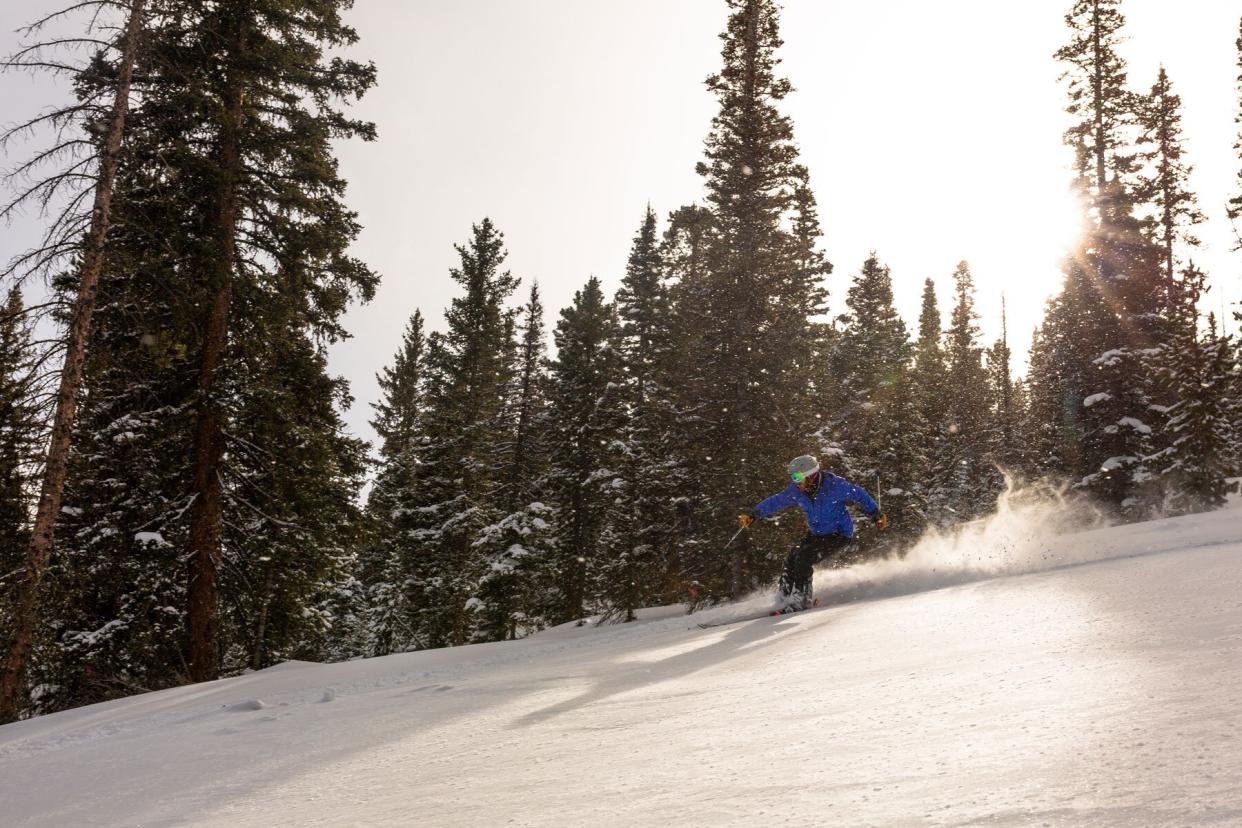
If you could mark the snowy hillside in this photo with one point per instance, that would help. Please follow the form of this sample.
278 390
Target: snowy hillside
997 677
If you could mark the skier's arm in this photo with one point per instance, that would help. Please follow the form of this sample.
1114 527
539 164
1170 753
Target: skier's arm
776 503
857 494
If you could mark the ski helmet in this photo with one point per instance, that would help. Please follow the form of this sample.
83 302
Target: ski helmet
800 468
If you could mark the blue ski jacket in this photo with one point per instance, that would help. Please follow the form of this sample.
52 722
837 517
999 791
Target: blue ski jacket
824 505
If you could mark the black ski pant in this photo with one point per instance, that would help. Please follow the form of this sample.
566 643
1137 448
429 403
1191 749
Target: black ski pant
800 563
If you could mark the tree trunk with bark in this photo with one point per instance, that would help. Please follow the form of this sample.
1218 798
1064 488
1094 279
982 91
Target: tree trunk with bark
52 488
207 514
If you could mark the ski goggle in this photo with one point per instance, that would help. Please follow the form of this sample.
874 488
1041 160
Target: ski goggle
799 477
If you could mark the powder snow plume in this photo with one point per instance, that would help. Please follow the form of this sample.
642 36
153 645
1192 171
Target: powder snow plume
1019 537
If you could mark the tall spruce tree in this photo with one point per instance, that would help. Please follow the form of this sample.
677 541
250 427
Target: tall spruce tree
1110 307
20 432
868 372
108 77
381 562
753 358
932 398
207 525
587 419
1199 461
273 95
463 459
966 480
1234 207
518 546
642 528
1164 181
1006 448
684 253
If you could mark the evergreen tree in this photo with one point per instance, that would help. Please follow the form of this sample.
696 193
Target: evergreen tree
463 458
1109 314
752 359
684 253
398 422
642 527
586 402
1096 81
1164 182
901 462
210 504
967 481
1006 448
1234 207
1049 423
1197 464
19 448
518 546
271 92
874 396
931 392
106 78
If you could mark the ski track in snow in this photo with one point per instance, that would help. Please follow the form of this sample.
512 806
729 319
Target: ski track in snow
993 676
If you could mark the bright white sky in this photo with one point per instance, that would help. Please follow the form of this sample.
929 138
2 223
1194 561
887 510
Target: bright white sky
932 132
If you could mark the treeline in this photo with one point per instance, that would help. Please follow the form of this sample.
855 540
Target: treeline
605 478
205 505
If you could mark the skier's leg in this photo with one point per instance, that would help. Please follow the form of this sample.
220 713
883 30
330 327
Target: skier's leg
825 547
796 579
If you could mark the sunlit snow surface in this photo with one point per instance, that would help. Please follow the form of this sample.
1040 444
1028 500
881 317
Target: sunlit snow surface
999 678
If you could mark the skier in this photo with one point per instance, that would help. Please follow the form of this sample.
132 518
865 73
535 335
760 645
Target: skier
822 497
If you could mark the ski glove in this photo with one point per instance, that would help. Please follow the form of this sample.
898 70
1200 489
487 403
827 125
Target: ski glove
745 519
881 521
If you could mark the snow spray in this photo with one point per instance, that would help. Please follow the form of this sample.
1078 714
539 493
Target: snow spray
1020 536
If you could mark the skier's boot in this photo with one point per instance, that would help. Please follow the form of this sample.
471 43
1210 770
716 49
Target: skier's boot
792 599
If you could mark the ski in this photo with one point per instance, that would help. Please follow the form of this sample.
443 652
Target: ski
707 625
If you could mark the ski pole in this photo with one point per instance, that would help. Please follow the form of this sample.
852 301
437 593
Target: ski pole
732 539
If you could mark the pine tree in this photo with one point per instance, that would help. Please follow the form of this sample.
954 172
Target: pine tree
868 370
462 460
1005 447
1096 80
271 92
967 481
1234 207
685 254
931 393
19 447
642 528
586 423
1164 181
1048 424
214 327
1196 466
398 423
752 359
518 546
58 243
1109 314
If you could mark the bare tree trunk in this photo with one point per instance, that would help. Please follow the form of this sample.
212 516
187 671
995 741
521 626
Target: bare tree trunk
39 549
207 515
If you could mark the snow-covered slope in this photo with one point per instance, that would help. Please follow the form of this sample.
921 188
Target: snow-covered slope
1100 684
